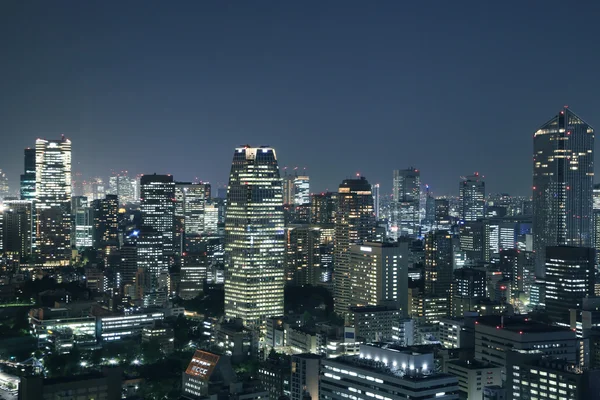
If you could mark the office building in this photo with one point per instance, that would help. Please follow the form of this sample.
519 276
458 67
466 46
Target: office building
82 223
439 261
303 256
274 375
390 372
376 200
124 187
570 277
191 203
406 195
473 376
304 379
105 223
301 190
123 326
17 228
27 184
254 237
194 271
128 263
151 260
354 224
469 288
323 208
452 333
472 197
532 375
104 385
496 335
376 323
157 204
442 211
379 274
53 200
563 175
161 336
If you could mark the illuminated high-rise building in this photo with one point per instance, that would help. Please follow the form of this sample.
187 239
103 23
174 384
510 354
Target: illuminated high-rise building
570 276
53 200
439 259
379 274
157 204
105 223
254 237
302 261
354 224
301 190
4 188
472 197
123 186
323 208
17 228
81 223
406 196
288 188
376 199
27 189
563 175
191 202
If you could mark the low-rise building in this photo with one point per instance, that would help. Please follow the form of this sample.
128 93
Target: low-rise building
161 336
304 378
495 335
473 376
112 328
385 374
104 385
533 375
375 323
235 340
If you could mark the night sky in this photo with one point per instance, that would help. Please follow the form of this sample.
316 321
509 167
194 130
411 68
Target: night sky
338 87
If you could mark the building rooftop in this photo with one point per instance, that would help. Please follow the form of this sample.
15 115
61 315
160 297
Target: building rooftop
365 309
380 367
471 364
518 324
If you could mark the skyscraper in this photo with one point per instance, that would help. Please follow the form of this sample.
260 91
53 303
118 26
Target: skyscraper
406 194
379 274
123 186
472 197
28 177
439 258
563 174
354 223
570 276
81 223
106 226
53 200
301 190
376 199
17 228
254 237
157 204
4 188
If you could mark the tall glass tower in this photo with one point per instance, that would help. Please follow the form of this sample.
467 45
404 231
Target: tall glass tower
471 191
406 193
53 200
563 174
254 237
157 204
354 224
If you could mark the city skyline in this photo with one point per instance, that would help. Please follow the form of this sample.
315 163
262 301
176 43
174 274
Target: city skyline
429 65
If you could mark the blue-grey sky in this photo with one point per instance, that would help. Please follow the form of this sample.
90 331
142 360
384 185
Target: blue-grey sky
338 87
